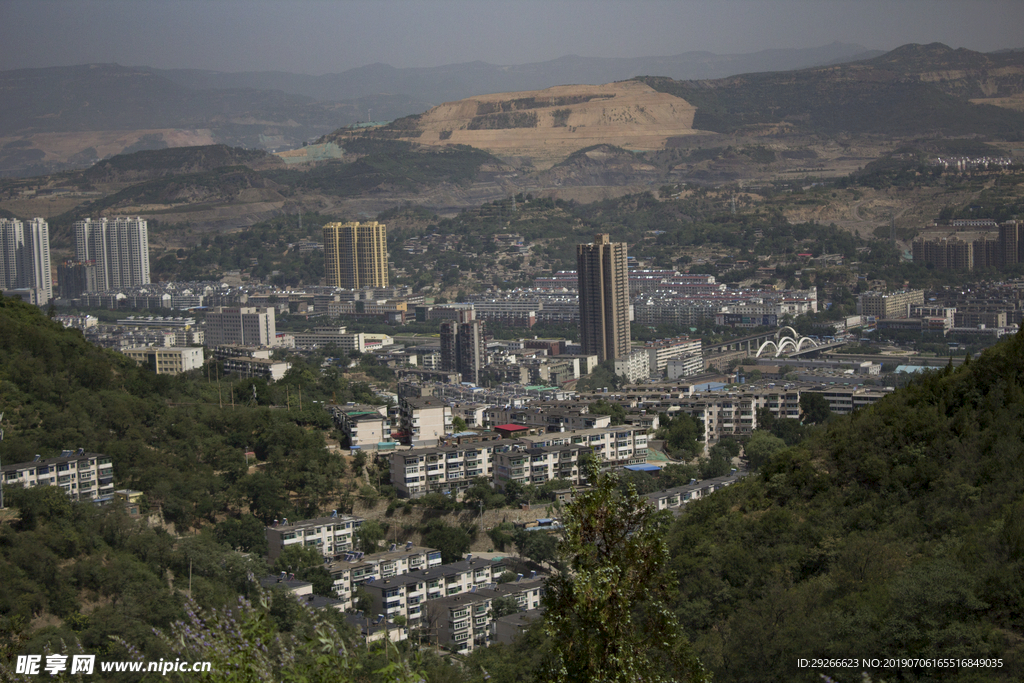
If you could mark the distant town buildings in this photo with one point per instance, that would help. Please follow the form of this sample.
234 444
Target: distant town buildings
889 304
603 286
119 248
1001 247
25 259
356 255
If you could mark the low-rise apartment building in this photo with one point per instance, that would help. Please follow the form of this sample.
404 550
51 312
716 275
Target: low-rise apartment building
331 536
660 352
463 622
264 368
404 595
635 367
424 421
445 468
367 427
83 476
354 569
557 419
167 361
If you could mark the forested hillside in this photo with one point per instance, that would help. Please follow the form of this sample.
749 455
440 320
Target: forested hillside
895 532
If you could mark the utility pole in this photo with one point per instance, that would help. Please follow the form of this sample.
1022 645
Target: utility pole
1 462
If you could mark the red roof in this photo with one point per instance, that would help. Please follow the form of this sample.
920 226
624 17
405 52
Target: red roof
511 428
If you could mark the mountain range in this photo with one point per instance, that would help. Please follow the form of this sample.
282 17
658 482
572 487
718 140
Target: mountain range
457 81
68 117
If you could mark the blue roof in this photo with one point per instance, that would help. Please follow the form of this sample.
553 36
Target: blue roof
913 368
465 434
643 468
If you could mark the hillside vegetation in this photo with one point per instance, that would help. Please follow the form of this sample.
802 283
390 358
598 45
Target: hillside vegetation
913 90
897 531
151 164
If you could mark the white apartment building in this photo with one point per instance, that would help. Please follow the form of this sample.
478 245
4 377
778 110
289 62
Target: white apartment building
448 468
405 595
613 446
83 476
424 421
355 569
685 366
635 367
270 370
462 622
331 536
240 326
25 258
660 352
167 360
550 419
367 427
120 247
543 457
325 337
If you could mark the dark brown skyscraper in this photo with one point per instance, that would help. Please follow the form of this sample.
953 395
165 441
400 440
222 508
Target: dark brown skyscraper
604 297
462 348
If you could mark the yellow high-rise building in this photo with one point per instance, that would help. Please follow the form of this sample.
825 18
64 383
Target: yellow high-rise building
356 255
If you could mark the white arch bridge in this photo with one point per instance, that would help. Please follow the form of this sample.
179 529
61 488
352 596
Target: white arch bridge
793 344
766 344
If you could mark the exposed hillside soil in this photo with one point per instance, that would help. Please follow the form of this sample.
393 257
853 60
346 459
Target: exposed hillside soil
551 124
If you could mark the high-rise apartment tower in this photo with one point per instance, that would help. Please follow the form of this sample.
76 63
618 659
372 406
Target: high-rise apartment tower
604 297
356 255
119 246
25 258
463 349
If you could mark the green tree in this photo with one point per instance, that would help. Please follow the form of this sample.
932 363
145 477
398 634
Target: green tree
267 496
502 535
358 463
308 565
38 504
674 474
245 534
459 425
761 446
606 612
541 547
453 542
369 535
683 434
502 606
603 407
814 408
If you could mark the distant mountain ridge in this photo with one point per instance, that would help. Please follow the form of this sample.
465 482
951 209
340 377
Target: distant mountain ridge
912 90
457 81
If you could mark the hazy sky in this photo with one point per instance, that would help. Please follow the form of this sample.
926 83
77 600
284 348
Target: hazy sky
329 36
